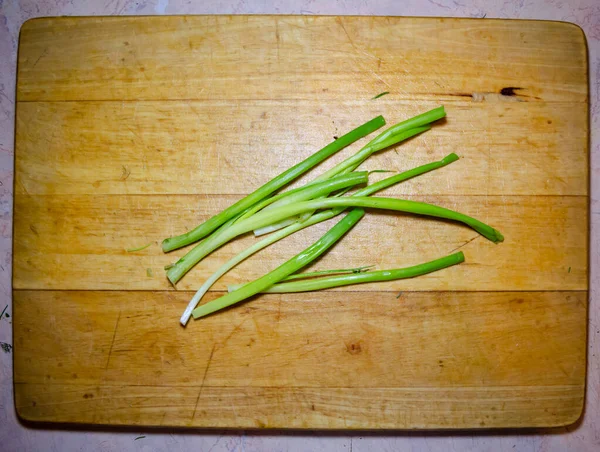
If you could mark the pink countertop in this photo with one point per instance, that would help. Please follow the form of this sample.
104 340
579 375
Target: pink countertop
15 436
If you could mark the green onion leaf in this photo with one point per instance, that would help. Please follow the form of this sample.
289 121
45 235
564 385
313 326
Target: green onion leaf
380 95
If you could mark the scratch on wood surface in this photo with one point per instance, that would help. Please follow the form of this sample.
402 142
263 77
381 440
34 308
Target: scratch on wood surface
279 310
132 131
125 172
235 416
563 370
361 53
23 186
357 51
431 240
258 331
212 352
339 21
277 37
466 243
44 53
377 76
112 343
235 329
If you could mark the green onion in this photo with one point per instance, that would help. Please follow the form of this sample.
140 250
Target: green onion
316 218
328 282
284 178
294 264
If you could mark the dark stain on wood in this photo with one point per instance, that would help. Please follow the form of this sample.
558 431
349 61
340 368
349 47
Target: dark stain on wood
354 348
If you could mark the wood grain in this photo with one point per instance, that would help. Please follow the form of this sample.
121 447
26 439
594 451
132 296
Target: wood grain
298 58
165 147
371 351
91 252
133 129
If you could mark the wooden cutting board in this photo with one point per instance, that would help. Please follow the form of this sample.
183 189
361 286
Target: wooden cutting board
132 129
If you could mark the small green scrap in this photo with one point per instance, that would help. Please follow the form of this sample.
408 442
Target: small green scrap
380 95
3 311
149 272
364 268
140 437
569 269
399 295
133 250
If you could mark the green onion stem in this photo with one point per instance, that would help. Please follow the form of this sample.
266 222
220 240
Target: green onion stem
274 184
294 264
327 282
297 226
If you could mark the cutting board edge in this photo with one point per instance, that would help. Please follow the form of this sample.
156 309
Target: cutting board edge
574 417
579 409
